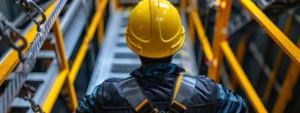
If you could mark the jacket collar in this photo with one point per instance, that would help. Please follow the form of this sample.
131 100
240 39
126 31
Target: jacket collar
157 69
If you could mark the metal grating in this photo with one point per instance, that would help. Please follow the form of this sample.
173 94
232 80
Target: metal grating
126 55
124 68
125 20
122 45
122 35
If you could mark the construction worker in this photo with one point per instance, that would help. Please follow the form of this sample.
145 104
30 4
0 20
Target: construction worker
155 33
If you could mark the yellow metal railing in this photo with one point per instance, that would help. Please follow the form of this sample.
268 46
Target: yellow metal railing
240 53
277 64
11 59
66 75
70 74
274 32
286 45
221 47
240 75
196 22
288 85
63 74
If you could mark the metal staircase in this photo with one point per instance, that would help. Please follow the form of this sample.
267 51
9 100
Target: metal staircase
116 60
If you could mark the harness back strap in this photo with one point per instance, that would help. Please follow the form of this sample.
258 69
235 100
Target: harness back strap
183 92
135 97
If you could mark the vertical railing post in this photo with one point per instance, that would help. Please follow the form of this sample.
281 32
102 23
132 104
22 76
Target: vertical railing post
240 53
191 23
220 34
182 6
117 4
201 35
101 31
289 83
242 79
277 64
64 62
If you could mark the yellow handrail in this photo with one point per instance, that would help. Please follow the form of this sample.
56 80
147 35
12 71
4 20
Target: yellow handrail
12 59
242 79
288 85
201 34
240 53
274 32
220 34
220 47
286 45
71 74
87 38
63 74
277 64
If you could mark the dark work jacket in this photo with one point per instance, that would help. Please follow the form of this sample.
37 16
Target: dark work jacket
157 81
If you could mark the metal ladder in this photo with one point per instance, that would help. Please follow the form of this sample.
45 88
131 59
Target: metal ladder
116 60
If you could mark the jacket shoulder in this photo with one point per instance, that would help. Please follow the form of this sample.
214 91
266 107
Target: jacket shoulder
112 95
206 91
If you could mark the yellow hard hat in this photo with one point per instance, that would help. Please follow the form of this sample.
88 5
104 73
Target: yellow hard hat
154 29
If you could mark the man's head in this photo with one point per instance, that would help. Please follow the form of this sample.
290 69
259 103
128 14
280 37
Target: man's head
155 31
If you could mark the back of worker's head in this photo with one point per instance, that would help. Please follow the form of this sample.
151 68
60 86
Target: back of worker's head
155 31
146 61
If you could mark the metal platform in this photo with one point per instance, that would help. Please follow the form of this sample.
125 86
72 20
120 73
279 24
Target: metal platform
116 60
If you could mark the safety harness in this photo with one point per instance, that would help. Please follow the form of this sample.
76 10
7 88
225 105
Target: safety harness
182 94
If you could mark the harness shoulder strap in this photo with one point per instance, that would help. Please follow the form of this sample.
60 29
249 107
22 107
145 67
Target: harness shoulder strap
136 97
183 92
